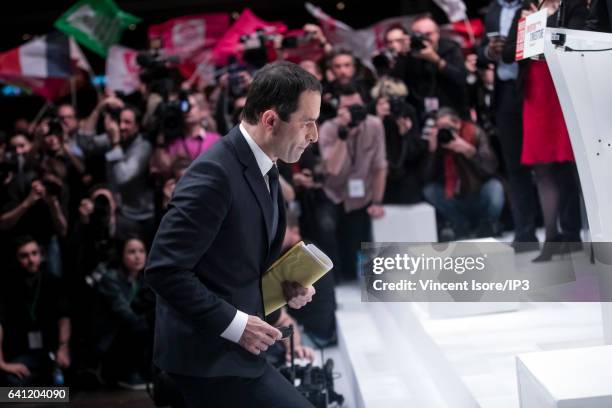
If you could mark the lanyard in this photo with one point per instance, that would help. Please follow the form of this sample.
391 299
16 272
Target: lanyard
32 307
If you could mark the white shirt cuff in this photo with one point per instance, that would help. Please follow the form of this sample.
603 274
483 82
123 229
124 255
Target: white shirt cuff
236 327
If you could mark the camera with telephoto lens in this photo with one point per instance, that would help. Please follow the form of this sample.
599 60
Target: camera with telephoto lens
9 164
445 136
358 114
255 51
384 61
159 73
52 188
171 116
418 41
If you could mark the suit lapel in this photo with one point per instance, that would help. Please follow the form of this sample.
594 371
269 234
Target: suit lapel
252 173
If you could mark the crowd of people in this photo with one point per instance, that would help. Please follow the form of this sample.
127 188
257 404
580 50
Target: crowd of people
469 131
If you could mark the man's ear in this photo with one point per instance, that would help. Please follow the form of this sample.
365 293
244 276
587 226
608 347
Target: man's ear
269 119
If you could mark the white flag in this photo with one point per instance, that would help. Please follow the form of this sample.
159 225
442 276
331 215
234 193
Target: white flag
122 70
454 9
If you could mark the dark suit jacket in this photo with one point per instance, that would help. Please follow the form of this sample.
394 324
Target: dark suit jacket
207 260
600 16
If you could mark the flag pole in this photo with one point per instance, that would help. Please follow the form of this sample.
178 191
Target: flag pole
73 95
470 30
40 114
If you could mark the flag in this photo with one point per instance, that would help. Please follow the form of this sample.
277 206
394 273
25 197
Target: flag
308 50
96 24
454 9
191 38
122 71
187 35
43 65
248 23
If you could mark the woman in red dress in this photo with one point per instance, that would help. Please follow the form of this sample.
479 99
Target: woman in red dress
546 142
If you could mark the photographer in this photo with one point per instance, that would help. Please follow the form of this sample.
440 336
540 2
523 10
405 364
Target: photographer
459 175
405 149
187 138
35 201
33 320
353 151
123 330
127 155
432 67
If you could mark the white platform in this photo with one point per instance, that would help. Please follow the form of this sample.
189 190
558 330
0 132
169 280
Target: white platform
406 223
576 378
401 357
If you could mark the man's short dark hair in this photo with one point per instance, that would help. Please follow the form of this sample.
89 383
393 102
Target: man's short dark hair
341 51
425 16
135 111
394 27
278 86
347 90
22 240
446 111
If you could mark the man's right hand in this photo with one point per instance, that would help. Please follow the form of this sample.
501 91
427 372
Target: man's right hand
17 369
258 335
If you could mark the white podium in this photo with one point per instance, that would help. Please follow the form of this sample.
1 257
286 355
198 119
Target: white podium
577 378
583 82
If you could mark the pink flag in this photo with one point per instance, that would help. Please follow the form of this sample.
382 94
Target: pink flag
185 36
122 70
248 23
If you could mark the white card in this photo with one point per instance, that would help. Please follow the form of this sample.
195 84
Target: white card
432 104
356 188
35 340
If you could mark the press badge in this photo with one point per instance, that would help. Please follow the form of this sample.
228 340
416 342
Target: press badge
432 104
356 188
35 340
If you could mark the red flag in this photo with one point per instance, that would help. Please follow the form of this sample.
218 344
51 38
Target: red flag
189 34
246 24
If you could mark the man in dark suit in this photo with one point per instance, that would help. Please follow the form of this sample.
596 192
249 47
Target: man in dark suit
224 227
600 16
507 106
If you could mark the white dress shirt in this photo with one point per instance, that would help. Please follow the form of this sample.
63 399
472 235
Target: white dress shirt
236 327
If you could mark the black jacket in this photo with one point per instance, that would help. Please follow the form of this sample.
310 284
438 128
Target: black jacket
207 260
423 78
600 16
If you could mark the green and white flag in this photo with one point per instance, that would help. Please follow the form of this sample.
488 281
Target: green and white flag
96 24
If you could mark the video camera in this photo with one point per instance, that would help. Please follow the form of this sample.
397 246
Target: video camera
255 50
171 116
358 115
294 41
159 72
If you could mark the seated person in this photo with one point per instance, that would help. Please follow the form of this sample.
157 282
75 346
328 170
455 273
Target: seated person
459 176
33 320
122 331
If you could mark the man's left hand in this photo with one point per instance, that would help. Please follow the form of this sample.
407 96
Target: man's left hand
296 295
459 145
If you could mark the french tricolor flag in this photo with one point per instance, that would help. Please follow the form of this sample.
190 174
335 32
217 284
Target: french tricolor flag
43 65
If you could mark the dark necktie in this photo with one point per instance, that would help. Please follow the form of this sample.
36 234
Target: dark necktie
273 181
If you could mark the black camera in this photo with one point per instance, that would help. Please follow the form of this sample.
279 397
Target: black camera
358 114
384 61
316 383
445 136
294 41
159 73
114 113
418 41
171 116
255 51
